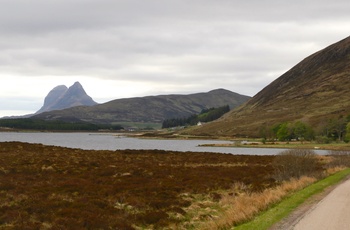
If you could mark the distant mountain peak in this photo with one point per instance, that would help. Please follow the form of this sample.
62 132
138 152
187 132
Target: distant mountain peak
53 96
77 85
61 97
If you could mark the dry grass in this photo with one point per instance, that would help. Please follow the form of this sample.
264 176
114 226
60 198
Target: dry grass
240 205
330 171
243 207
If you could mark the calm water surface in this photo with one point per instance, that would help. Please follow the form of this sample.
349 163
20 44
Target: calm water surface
98 141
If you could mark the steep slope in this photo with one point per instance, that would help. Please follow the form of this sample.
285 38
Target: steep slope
62 97
315 90
52 98
150 109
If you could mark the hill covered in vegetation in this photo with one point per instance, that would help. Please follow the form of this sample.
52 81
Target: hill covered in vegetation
206 115
316 92
150 109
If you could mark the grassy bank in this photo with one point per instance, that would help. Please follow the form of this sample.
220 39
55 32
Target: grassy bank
285 145
239 209
282 209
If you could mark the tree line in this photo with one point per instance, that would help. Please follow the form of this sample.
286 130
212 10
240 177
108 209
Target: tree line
288 131
335 129
54 125
205 115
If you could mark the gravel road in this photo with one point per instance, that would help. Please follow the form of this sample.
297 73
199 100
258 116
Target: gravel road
332 212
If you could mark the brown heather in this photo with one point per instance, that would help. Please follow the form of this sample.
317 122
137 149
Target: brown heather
48 187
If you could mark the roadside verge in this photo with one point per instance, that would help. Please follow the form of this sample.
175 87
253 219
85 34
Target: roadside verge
281 210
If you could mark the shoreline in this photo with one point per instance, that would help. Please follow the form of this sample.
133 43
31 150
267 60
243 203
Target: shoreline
291 145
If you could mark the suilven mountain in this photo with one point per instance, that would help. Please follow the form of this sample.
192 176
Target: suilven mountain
314 91
62 97
150 109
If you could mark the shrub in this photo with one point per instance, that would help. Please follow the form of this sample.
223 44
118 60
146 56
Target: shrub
295 163
323 140
339 158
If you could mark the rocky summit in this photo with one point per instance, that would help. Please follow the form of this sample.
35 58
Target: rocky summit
62 97
314 91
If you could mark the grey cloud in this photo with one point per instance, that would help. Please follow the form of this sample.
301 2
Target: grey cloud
200 42
28 16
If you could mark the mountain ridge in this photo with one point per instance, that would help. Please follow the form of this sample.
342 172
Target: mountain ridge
149 108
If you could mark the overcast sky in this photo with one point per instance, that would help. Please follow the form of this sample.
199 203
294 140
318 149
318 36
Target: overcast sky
129 48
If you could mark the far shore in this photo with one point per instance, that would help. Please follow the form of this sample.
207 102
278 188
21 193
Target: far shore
236 142
245 142
284 145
